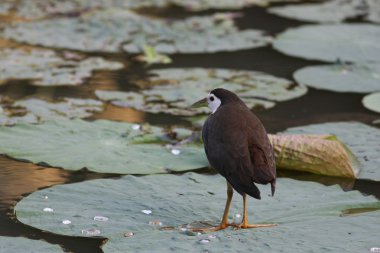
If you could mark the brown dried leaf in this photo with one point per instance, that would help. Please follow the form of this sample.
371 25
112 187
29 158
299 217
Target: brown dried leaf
319 154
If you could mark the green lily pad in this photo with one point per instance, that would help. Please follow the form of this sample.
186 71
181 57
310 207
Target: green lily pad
101 146
345 42
130 210
46 68
110 29
361 78
330 11
36 110
361 139
179 88
19 244
372 102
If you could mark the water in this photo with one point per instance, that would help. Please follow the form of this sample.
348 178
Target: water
18 179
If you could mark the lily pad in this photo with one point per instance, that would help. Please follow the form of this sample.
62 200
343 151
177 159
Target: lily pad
135 208
19 244
330 11
360 78
372 102
361 139
345 42
100 146
174 90
36 110
110 29
46 68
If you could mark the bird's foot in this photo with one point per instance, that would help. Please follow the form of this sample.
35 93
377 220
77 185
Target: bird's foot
209 227
246 225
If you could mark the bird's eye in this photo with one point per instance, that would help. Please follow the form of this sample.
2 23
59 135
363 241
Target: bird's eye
211 99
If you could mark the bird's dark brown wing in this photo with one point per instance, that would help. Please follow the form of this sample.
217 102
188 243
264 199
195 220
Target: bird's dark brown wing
262 156
230 151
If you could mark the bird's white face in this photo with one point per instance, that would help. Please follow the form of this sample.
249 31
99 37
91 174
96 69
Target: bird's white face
213 102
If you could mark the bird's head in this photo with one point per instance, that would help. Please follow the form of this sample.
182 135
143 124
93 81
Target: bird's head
216 98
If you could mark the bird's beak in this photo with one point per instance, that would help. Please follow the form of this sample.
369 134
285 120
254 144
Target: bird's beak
200 103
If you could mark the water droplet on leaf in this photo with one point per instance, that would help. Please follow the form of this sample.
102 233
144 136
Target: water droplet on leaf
100 218
204 241
128 234
48 209
176 151
66 222
136 127
90 231
237 218
155 223
146 211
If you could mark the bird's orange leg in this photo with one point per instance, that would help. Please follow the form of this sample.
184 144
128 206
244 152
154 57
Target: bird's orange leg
224 223
245 224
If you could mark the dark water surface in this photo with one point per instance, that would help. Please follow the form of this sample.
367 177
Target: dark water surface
18 179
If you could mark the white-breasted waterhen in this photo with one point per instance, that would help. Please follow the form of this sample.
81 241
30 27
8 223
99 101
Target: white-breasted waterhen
237 146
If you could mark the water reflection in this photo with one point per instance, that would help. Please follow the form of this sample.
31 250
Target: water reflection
112 112
19 178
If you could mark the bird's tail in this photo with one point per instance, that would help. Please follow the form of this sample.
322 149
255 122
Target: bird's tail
273 186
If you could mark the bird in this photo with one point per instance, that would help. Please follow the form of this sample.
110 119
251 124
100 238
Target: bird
237 146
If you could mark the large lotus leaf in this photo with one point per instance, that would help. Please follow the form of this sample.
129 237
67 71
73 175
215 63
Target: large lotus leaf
24 245
101 146
346 42
107 30
361 139
330 11
179 88
372 102
361 78
46 68
36 110
130 210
